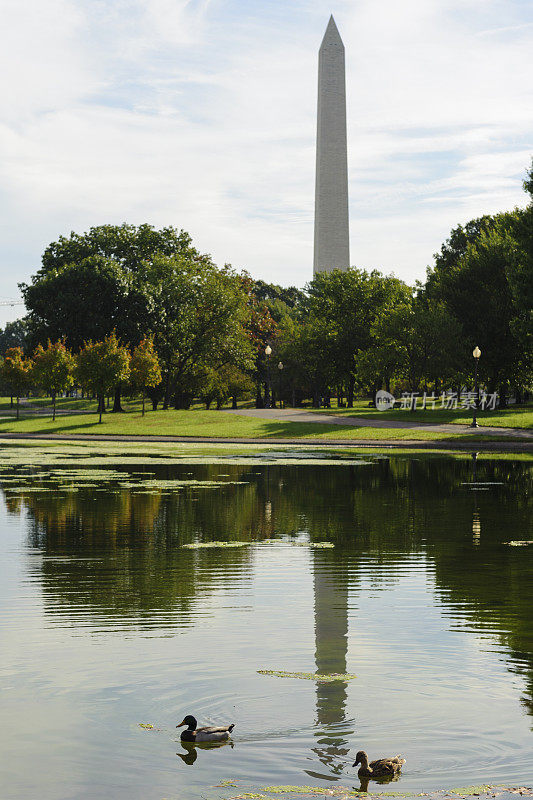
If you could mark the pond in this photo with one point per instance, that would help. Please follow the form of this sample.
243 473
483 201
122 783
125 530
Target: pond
396 569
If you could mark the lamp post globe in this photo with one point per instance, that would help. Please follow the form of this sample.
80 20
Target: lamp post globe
476 353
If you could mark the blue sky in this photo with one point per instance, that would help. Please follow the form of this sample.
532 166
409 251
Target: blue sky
201 115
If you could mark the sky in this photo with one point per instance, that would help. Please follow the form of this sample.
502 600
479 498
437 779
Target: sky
202 114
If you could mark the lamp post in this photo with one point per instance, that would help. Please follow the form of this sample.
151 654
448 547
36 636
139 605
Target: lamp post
477 354
268 351
280 367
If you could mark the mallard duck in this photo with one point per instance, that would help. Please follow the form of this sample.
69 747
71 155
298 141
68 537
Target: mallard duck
381 768
194 734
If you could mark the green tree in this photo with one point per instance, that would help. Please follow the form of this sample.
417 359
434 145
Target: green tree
477 291
417 341
221 384
17 372
345 304
145 367
129 246
90 284
14 335
307 349
87 300
201 322
262 326
528 183
102 365
53 369
521 274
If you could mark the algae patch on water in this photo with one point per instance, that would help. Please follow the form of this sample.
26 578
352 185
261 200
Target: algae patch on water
516 543
207 545
290 792
317 545
309 676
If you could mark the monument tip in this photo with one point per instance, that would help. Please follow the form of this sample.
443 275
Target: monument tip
332 32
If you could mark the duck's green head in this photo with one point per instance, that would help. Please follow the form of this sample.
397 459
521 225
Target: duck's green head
189 721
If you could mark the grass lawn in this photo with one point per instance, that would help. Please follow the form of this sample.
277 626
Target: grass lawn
512 417
210 423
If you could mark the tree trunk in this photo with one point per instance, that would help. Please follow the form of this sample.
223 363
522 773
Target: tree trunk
503 395
54 403
17 407
143 401
166 398
351 386
234 401
101 407
11 401
258 397
117 406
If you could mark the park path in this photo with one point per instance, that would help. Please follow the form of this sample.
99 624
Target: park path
301 415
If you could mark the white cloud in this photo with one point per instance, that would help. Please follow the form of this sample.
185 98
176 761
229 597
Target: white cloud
202 114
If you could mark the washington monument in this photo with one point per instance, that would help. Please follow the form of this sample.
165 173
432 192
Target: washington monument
332 238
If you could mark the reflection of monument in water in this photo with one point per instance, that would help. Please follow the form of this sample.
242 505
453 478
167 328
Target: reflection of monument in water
332 238
331 647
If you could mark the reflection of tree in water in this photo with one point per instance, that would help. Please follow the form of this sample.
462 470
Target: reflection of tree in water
375 514
124 551
485 585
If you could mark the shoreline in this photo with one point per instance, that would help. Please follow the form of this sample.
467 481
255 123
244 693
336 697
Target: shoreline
508 446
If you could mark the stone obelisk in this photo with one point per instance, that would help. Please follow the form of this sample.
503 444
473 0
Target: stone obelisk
332 238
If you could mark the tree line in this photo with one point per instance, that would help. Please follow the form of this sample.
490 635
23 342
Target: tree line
98 367
349 333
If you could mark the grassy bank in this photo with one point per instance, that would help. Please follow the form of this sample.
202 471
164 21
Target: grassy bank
512 417
213 423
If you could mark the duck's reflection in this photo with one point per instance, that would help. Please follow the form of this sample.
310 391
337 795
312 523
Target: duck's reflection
365 780
191 749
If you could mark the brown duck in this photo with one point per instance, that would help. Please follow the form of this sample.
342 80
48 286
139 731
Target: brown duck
381 768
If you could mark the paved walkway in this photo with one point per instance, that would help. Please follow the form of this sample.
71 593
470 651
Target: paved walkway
301 415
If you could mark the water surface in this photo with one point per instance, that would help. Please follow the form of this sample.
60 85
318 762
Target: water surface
107 621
